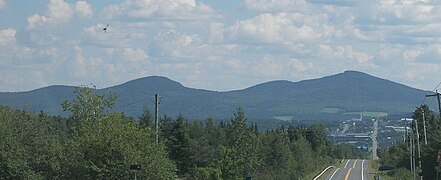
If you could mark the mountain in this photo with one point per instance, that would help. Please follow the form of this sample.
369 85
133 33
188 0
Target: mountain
335 96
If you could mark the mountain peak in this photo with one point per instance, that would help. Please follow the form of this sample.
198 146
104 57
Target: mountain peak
150 82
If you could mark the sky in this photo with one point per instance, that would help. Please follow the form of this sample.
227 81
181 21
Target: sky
218 45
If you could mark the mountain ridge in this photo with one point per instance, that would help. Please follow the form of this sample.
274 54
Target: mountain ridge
349 91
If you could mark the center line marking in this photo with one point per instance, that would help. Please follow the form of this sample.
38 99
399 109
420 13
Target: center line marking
347 174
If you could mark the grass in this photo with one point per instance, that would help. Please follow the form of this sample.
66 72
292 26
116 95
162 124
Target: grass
332 110
372 169
284 118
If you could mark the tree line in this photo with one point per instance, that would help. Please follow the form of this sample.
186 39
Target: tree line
94 143
399 156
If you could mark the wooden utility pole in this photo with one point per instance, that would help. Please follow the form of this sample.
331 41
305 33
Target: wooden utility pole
424 126
437 94
418 146
156 119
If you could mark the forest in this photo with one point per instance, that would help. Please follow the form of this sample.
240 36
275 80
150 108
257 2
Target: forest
417 155
95 143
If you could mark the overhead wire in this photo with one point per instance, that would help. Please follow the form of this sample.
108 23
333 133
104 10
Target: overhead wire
436 88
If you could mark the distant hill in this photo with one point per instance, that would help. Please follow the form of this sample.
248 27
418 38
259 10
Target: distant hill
331 97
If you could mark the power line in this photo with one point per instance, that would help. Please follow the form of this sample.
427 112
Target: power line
436 88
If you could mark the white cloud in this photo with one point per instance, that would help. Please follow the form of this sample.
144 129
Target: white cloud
83 8
36 20
282 28
407 10
135 55
7 37
361 57
278 5
59 11
216 33
177 44
162 9
299 66
412 54
80 66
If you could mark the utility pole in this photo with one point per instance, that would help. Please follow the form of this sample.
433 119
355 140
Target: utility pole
424 126
418 146
156 119
439 101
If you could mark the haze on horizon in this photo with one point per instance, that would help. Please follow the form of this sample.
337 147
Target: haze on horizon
216 45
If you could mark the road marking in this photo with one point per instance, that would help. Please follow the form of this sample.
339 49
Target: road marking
329 167
334 173
347 162
362 169
347 174
355 162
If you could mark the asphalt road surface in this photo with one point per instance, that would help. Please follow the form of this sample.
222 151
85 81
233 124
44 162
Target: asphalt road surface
354 169
374 140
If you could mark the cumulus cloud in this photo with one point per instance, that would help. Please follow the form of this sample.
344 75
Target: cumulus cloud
177 44
405 11
59 11
83 8
7 37
282 28
135 55
278 5
161 9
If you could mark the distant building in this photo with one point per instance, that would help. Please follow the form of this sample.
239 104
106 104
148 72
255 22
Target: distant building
406 119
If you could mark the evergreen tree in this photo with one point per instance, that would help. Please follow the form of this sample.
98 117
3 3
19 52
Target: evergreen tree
179 145
146 119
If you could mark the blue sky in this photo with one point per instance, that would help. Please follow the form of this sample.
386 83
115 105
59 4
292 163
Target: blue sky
216 45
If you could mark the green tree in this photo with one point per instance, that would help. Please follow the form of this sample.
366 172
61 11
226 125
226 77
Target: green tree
242 142
30 145
106 149
146 119
179 145
105 145
89 105
429 151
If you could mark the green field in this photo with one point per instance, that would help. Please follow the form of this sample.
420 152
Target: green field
332 110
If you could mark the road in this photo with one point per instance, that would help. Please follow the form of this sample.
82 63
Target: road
374 140
354 169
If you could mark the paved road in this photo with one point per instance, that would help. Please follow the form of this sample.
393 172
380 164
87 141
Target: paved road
374 140
354 169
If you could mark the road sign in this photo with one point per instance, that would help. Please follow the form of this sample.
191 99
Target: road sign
135 167
439 156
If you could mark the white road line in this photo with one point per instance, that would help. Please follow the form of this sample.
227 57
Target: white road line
334 173
362 169
347 162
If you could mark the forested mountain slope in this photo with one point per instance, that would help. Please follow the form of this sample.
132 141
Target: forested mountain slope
328 97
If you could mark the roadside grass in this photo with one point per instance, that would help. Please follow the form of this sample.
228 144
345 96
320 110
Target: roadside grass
373 169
